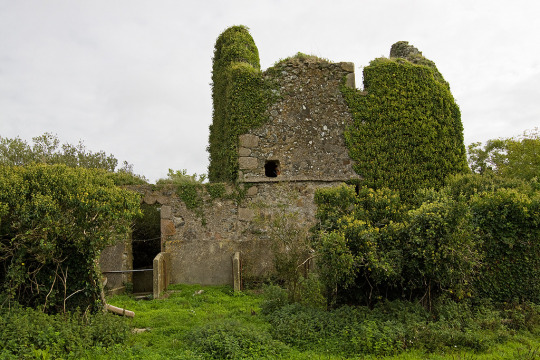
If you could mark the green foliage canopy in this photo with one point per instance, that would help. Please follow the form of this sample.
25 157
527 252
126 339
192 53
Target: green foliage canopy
517 157
46 149
407 131
54 221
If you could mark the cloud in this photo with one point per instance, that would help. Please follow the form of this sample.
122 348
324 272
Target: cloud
132 77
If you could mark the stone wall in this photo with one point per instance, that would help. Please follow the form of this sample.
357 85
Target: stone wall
201 248
113 260
304 134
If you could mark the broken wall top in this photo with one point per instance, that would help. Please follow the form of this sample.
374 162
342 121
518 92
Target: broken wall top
303 137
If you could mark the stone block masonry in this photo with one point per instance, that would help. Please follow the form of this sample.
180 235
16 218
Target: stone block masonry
303 139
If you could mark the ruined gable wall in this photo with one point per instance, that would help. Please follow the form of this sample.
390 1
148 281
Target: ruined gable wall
305 127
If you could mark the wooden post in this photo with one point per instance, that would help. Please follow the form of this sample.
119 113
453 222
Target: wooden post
120 311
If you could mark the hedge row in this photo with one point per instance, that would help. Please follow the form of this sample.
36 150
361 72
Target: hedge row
477 237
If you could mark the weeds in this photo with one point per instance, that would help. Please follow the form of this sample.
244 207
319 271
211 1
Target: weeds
216 323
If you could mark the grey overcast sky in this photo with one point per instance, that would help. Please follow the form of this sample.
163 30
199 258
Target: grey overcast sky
132 77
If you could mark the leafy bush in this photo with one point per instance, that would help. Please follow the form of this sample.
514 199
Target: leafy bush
509 224
26 333
274 298
54 221
231 339
476 237
372 246
180 177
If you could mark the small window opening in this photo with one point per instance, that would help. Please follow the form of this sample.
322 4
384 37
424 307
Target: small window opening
271 168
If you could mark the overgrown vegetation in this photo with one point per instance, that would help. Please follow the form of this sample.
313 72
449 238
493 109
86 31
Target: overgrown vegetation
407 132
477 237
26 333
46 149
240 96
54 221
196 322
196 194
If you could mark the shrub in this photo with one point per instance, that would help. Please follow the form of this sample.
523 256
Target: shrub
232 340
274 298
54 221
25 333
509 224
372 246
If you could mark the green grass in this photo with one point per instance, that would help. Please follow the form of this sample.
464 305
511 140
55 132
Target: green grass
218 323
194 322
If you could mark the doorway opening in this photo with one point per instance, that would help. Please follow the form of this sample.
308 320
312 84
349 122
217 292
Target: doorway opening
146 244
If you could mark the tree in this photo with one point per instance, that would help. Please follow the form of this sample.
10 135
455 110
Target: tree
46 149
54 222
517 157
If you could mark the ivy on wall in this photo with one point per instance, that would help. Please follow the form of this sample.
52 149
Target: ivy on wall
241 97
407 131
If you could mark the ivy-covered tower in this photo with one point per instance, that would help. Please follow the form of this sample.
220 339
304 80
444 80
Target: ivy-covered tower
407 133
237 85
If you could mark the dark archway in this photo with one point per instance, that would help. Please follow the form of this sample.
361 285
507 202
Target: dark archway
146 244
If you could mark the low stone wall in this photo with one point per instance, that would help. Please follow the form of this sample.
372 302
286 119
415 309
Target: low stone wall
117 258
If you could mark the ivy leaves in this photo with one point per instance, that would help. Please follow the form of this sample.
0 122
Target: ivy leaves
241 97
407 131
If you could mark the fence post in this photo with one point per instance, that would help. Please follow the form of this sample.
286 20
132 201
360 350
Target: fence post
237 276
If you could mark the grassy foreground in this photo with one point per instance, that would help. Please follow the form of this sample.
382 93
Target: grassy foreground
195 322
